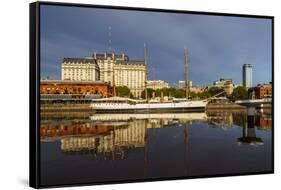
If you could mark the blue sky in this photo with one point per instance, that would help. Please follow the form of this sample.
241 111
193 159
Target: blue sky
218 46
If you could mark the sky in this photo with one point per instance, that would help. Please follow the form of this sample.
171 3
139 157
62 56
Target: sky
217 46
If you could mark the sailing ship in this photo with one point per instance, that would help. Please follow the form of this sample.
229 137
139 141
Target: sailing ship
127 105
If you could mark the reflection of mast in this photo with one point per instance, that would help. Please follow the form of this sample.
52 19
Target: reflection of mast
145 150
186 148
113 144
186 73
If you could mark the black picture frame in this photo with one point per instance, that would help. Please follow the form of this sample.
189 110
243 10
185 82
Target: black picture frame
34 93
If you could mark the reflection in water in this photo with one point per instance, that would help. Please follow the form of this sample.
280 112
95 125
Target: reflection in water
116 141
112 134
249 133
163 145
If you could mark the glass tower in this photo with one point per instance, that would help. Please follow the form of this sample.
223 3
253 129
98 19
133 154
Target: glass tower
247 75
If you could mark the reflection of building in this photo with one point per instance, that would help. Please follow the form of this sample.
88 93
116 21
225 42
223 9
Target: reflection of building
226 84
116 140
80 69
48 131
157 84
74 87
261 91
247 75
221 119
264 121
113 68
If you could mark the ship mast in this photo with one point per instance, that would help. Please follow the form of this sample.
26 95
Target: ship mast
186 73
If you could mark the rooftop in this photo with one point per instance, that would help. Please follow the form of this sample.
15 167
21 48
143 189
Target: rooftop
132 62
55 82
110 55
79 60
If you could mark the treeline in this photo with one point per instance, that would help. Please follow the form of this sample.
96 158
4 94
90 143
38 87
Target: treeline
239 93
173 92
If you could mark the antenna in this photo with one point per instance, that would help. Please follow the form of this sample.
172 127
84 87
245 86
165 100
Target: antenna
109 38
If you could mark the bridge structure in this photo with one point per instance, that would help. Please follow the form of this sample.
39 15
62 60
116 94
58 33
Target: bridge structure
254 102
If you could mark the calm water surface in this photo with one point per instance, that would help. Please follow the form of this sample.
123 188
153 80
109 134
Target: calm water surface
105 147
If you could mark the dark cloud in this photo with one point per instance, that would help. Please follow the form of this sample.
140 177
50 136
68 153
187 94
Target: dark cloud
218 46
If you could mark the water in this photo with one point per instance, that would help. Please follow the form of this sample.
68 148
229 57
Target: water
112 147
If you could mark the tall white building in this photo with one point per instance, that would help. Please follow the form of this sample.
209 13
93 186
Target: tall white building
131 74
157 84
116 69
120 71
80 69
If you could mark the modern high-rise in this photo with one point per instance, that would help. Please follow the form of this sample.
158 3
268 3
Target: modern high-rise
247 75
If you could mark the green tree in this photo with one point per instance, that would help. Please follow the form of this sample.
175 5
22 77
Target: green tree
204 95
149 93
123 91
239 93
179 93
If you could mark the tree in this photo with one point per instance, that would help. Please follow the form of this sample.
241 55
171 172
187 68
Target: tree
123 91
239 93
204 95
179 93
149 93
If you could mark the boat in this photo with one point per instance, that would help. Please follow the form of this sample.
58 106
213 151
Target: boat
127 105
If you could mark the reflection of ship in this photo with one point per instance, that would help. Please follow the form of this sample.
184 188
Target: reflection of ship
126 117
126 105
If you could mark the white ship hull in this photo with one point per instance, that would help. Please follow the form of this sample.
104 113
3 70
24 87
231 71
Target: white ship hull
124 107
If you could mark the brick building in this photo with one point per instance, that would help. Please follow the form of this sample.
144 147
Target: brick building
75 87
260 91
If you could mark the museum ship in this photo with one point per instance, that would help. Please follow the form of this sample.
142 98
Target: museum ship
127 105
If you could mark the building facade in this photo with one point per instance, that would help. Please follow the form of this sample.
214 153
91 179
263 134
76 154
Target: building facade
157 84
226 84
260 91
131 74
247 75
75 87
115 69
80 69
182 85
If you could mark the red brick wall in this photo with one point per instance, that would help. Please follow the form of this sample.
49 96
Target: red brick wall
50 88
